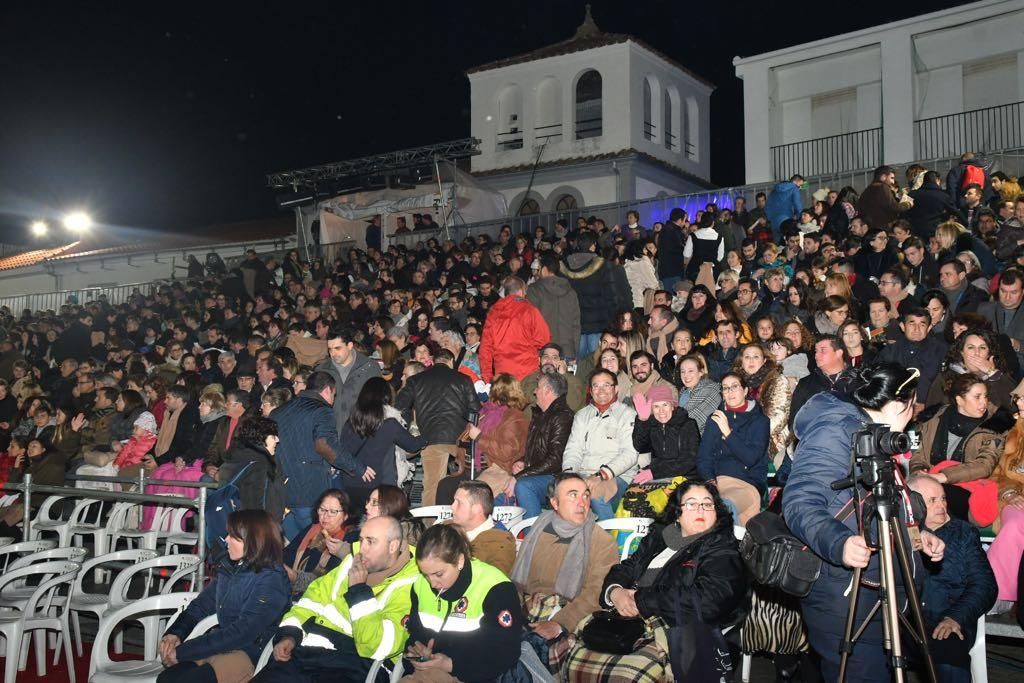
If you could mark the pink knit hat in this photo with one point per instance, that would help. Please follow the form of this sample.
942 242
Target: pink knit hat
660 392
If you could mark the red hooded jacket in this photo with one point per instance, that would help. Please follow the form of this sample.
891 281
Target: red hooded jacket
513 335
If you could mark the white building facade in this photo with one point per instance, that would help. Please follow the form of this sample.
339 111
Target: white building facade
595 119
925 88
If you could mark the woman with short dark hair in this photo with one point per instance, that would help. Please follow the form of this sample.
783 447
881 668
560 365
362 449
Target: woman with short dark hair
248 595
261 485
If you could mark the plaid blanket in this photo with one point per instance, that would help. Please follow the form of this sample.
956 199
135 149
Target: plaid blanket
649 664
539 607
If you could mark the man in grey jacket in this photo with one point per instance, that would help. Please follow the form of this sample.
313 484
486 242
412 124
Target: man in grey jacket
350 370
557 302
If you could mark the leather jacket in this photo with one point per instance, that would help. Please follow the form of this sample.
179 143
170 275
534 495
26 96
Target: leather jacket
442 400
546 438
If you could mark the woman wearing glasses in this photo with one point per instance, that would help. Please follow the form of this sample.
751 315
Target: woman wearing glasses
320 547
688 561
734 449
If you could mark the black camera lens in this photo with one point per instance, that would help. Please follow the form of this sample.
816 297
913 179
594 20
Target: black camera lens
892 443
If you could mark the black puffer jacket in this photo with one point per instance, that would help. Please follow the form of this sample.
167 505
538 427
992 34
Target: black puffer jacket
673 445
546 438
261 486
442 400
711 565
599 290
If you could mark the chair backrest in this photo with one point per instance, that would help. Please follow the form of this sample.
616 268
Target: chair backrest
119 589
508 514
520 527
6 540
439 512
636 526
156 604
13 550
188 570
135 555
44 512
83 508
52 575
69 554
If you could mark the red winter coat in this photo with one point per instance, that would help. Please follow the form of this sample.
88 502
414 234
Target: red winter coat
513 335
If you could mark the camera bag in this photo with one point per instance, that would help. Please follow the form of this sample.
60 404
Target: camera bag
776 558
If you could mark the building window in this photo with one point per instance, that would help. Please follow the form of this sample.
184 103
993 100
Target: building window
529 207
692 131
670 137
648 111
565 203
588 106
548 126
510 110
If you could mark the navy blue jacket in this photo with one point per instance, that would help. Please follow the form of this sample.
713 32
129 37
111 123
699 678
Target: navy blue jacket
308 448
743 455
824 427
961 586
248 604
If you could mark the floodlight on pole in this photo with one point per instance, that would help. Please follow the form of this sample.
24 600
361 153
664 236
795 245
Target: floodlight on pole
78 221
39 228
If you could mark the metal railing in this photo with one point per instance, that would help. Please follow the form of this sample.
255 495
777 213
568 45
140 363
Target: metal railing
28 489
510 139
52 301
549 133
980 130
823 156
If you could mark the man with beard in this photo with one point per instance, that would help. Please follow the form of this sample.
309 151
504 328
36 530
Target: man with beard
552 362
643 370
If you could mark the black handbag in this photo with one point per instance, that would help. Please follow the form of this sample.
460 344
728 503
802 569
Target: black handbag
776 558
698 651
613 634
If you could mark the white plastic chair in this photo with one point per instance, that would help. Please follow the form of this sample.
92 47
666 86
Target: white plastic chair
15 595
519 527
508 514
13 551
65 529
98 603
44 610
190 571
979 657
147 538
176 537
6 540
44 519
438 512
637 526
147 612
397 671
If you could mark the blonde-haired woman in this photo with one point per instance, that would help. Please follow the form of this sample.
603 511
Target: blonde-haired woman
954 238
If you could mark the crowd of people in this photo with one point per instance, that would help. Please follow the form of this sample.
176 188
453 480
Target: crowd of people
695 371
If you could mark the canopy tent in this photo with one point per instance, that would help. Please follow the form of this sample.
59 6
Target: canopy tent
457 200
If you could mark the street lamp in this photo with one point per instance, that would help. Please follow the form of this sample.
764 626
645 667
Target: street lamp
77 221
39 228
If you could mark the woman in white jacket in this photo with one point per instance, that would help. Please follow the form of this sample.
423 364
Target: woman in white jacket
640 272
600 445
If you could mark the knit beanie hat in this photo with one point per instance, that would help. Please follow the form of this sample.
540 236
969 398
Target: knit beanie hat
660 392
147 421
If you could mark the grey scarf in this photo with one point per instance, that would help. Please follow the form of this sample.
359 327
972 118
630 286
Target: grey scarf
211 416
574 565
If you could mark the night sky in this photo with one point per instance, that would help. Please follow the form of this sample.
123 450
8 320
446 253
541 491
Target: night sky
169 119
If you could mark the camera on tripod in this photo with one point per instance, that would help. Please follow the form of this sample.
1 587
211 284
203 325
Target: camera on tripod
877 440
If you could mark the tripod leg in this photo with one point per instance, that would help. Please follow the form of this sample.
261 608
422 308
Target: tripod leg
890 608
846 647
918 624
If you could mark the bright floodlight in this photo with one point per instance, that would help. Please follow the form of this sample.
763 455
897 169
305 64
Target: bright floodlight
78 221
39 228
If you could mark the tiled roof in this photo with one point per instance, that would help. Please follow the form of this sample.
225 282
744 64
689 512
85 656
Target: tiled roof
607 156
30 258
588 37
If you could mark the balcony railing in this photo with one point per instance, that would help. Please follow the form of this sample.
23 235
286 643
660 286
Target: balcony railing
510 139
831 155
993 129
551 133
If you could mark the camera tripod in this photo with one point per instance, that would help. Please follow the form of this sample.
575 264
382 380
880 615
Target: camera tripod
878 474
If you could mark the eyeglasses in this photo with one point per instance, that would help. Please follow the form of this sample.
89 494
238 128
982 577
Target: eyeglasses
325 511
732 387
693 505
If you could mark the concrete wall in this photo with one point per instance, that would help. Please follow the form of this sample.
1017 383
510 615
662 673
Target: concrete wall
945 62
